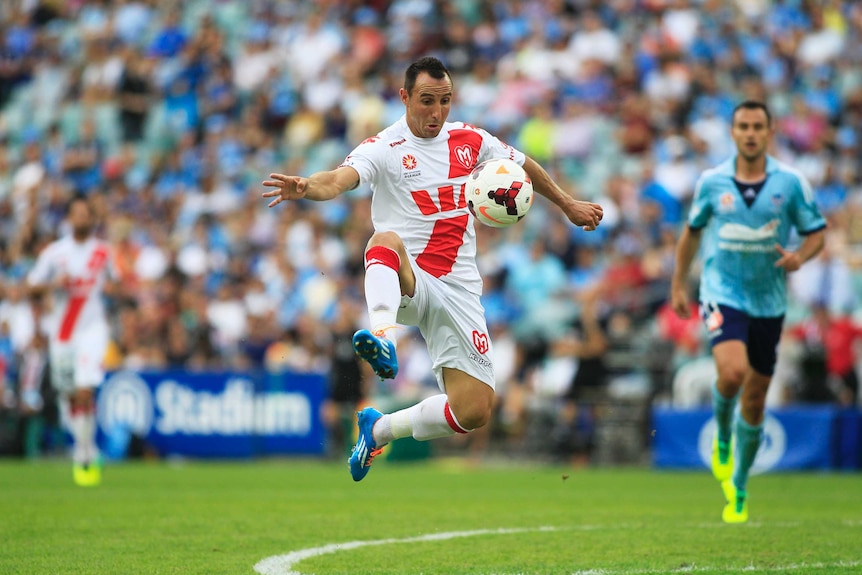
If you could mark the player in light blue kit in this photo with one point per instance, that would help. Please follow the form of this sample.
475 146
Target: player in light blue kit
745 208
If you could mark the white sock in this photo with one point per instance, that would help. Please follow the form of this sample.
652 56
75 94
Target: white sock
83 430
88 433
429 419
382 287
81 423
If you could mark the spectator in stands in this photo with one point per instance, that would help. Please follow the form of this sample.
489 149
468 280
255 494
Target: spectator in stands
830 355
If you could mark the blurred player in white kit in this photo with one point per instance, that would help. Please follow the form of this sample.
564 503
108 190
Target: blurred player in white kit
73 272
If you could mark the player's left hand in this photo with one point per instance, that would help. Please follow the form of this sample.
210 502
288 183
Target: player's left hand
286 188
789 260
586 215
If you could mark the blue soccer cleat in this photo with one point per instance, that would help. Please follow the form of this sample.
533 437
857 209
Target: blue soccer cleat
378 351
366 448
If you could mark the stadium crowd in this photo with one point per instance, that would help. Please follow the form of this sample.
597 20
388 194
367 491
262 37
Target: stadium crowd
169 114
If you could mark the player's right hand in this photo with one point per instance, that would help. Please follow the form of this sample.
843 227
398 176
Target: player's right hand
287 188
586 215
679 302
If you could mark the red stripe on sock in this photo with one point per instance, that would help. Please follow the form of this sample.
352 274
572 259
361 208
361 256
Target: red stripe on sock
450 419
384 256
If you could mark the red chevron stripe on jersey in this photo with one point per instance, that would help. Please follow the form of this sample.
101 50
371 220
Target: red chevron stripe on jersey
446 239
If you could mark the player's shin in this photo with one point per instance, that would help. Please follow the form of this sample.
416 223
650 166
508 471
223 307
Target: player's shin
82 426
748 438
429 419
382 287
723 410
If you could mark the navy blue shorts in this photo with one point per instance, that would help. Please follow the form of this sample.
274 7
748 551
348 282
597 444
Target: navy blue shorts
760 334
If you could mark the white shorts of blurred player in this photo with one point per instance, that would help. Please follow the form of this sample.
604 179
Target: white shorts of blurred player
452 321
79 362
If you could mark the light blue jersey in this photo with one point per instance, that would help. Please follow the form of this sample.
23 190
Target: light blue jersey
738 245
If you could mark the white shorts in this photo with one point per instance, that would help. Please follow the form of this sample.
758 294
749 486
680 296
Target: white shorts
79 363
452 321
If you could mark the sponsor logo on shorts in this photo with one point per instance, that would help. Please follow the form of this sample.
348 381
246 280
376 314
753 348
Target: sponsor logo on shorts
480 360
713 318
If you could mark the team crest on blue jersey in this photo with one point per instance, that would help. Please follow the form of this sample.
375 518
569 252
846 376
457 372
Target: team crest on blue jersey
777 201
727 203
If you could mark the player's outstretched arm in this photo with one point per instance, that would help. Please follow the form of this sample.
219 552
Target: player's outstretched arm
584 214
318 187
686 248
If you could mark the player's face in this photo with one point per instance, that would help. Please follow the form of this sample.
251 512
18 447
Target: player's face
80 218
751 132
428 105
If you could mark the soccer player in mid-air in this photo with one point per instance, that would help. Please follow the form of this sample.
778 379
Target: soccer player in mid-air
745 210
420 263
73 272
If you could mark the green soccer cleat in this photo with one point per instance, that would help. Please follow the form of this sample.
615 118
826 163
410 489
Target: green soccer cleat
722 459
736 510
87 475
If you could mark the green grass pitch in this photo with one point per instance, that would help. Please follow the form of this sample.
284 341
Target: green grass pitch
226 517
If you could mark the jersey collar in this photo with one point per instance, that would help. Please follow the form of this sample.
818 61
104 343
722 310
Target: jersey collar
729 167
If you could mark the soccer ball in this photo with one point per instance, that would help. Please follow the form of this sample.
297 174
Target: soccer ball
499 193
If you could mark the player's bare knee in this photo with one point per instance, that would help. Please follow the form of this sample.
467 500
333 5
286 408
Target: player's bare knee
473 414
732 375
82 398
389 240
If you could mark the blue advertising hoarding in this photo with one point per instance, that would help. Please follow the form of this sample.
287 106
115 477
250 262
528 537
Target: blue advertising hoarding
224 414
803 437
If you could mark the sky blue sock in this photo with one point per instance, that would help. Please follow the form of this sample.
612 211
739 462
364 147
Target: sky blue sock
747 443
722 408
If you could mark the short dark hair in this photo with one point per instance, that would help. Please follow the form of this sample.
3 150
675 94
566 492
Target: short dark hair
752 105
433 66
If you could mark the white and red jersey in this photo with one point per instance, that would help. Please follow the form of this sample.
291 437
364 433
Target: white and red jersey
418 193
85 267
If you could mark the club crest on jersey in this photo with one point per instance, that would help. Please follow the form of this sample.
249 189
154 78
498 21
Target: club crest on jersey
464 155
726 203
409 162
480 340
777 201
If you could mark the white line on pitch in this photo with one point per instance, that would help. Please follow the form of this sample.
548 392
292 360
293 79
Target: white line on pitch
283 564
